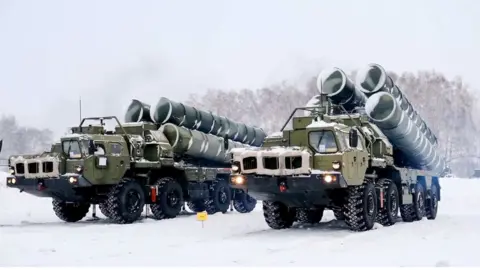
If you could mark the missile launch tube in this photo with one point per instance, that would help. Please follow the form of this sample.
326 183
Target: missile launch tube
385 111
168 111
197 144
374 79
138 112
340 89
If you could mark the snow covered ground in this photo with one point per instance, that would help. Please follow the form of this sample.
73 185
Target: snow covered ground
31 235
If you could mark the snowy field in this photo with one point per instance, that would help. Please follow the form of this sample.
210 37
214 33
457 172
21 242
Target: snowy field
31 235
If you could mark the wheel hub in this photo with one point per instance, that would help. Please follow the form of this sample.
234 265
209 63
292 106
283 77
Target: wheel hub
133 201
223 195
370 204
434 201
173 199
393 202
420 201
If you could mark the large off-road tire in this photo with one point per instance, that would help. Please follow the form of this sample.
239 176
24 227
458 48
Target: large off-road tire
169 199
419 202
278 215
407 212
70 212
387 215
243 202
220 198
361 207
432 203
105 209
126 201
310 216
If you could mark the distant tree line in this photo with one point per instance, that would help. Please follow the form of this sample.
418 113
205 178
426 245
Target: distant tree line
19 139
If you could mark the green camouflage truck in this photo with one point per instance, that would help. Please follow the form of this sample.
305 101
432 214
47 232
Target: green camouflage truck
361 151
161 164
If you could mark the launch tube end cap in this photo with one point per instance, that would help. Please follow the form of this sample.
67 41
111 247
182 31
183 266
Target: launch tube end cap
331 81
371 79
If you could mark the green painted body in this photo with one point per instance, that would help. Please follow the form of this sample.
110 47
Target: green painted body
134 150
372 158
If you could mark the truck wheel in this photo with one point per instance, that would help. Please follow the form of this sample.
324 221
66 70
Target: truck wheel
196 206
169 199
361 207
220 198
70 212
387 215
243 202
105 209
432 203
310 216
407 211
278 215
419 202
126 201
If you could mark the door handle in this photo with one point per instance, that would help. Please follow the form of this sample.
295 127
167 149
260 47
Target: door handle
355 159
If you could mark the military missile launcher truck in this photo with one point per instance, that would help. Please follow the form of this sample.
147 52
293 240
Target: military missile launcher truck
361 151
138 163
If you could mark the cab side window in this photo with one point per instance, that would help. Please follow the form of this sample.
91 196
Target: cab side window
116 148
99 149
360 145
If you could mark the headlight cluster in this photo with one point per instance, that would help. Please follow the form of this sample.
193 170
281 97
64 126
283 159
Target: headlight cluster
238 180
336 165
11 180
73 180
236 167
79 169
329 178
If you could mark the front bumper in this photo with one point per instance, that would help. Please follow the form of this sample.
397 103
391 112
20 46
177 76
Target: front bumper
293 190
61 187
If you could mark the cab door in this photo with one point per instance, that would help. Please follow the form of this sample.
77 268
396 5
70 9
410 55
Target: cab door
118 161
100 171
361 157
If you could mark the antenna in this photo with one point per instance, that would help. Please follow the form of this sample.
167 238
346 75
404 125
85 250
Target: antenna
80 108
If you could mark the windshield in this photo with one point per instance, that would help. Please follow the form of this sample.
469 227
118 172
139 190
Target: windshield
72 149
323 141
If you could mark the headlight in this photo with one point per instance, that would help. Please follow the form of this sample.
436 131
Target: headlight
235 168
72 180
329 178
336 165
238 180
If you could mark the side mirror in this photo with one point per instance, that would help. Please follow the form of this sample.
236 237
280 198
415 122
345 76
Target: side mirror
353 138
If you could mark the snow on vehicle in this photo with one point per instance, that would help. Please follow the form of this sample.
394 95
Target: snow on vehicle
361 151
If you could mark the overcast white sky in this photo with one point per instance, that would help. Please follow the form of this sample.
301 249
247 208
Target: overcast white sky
110 51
